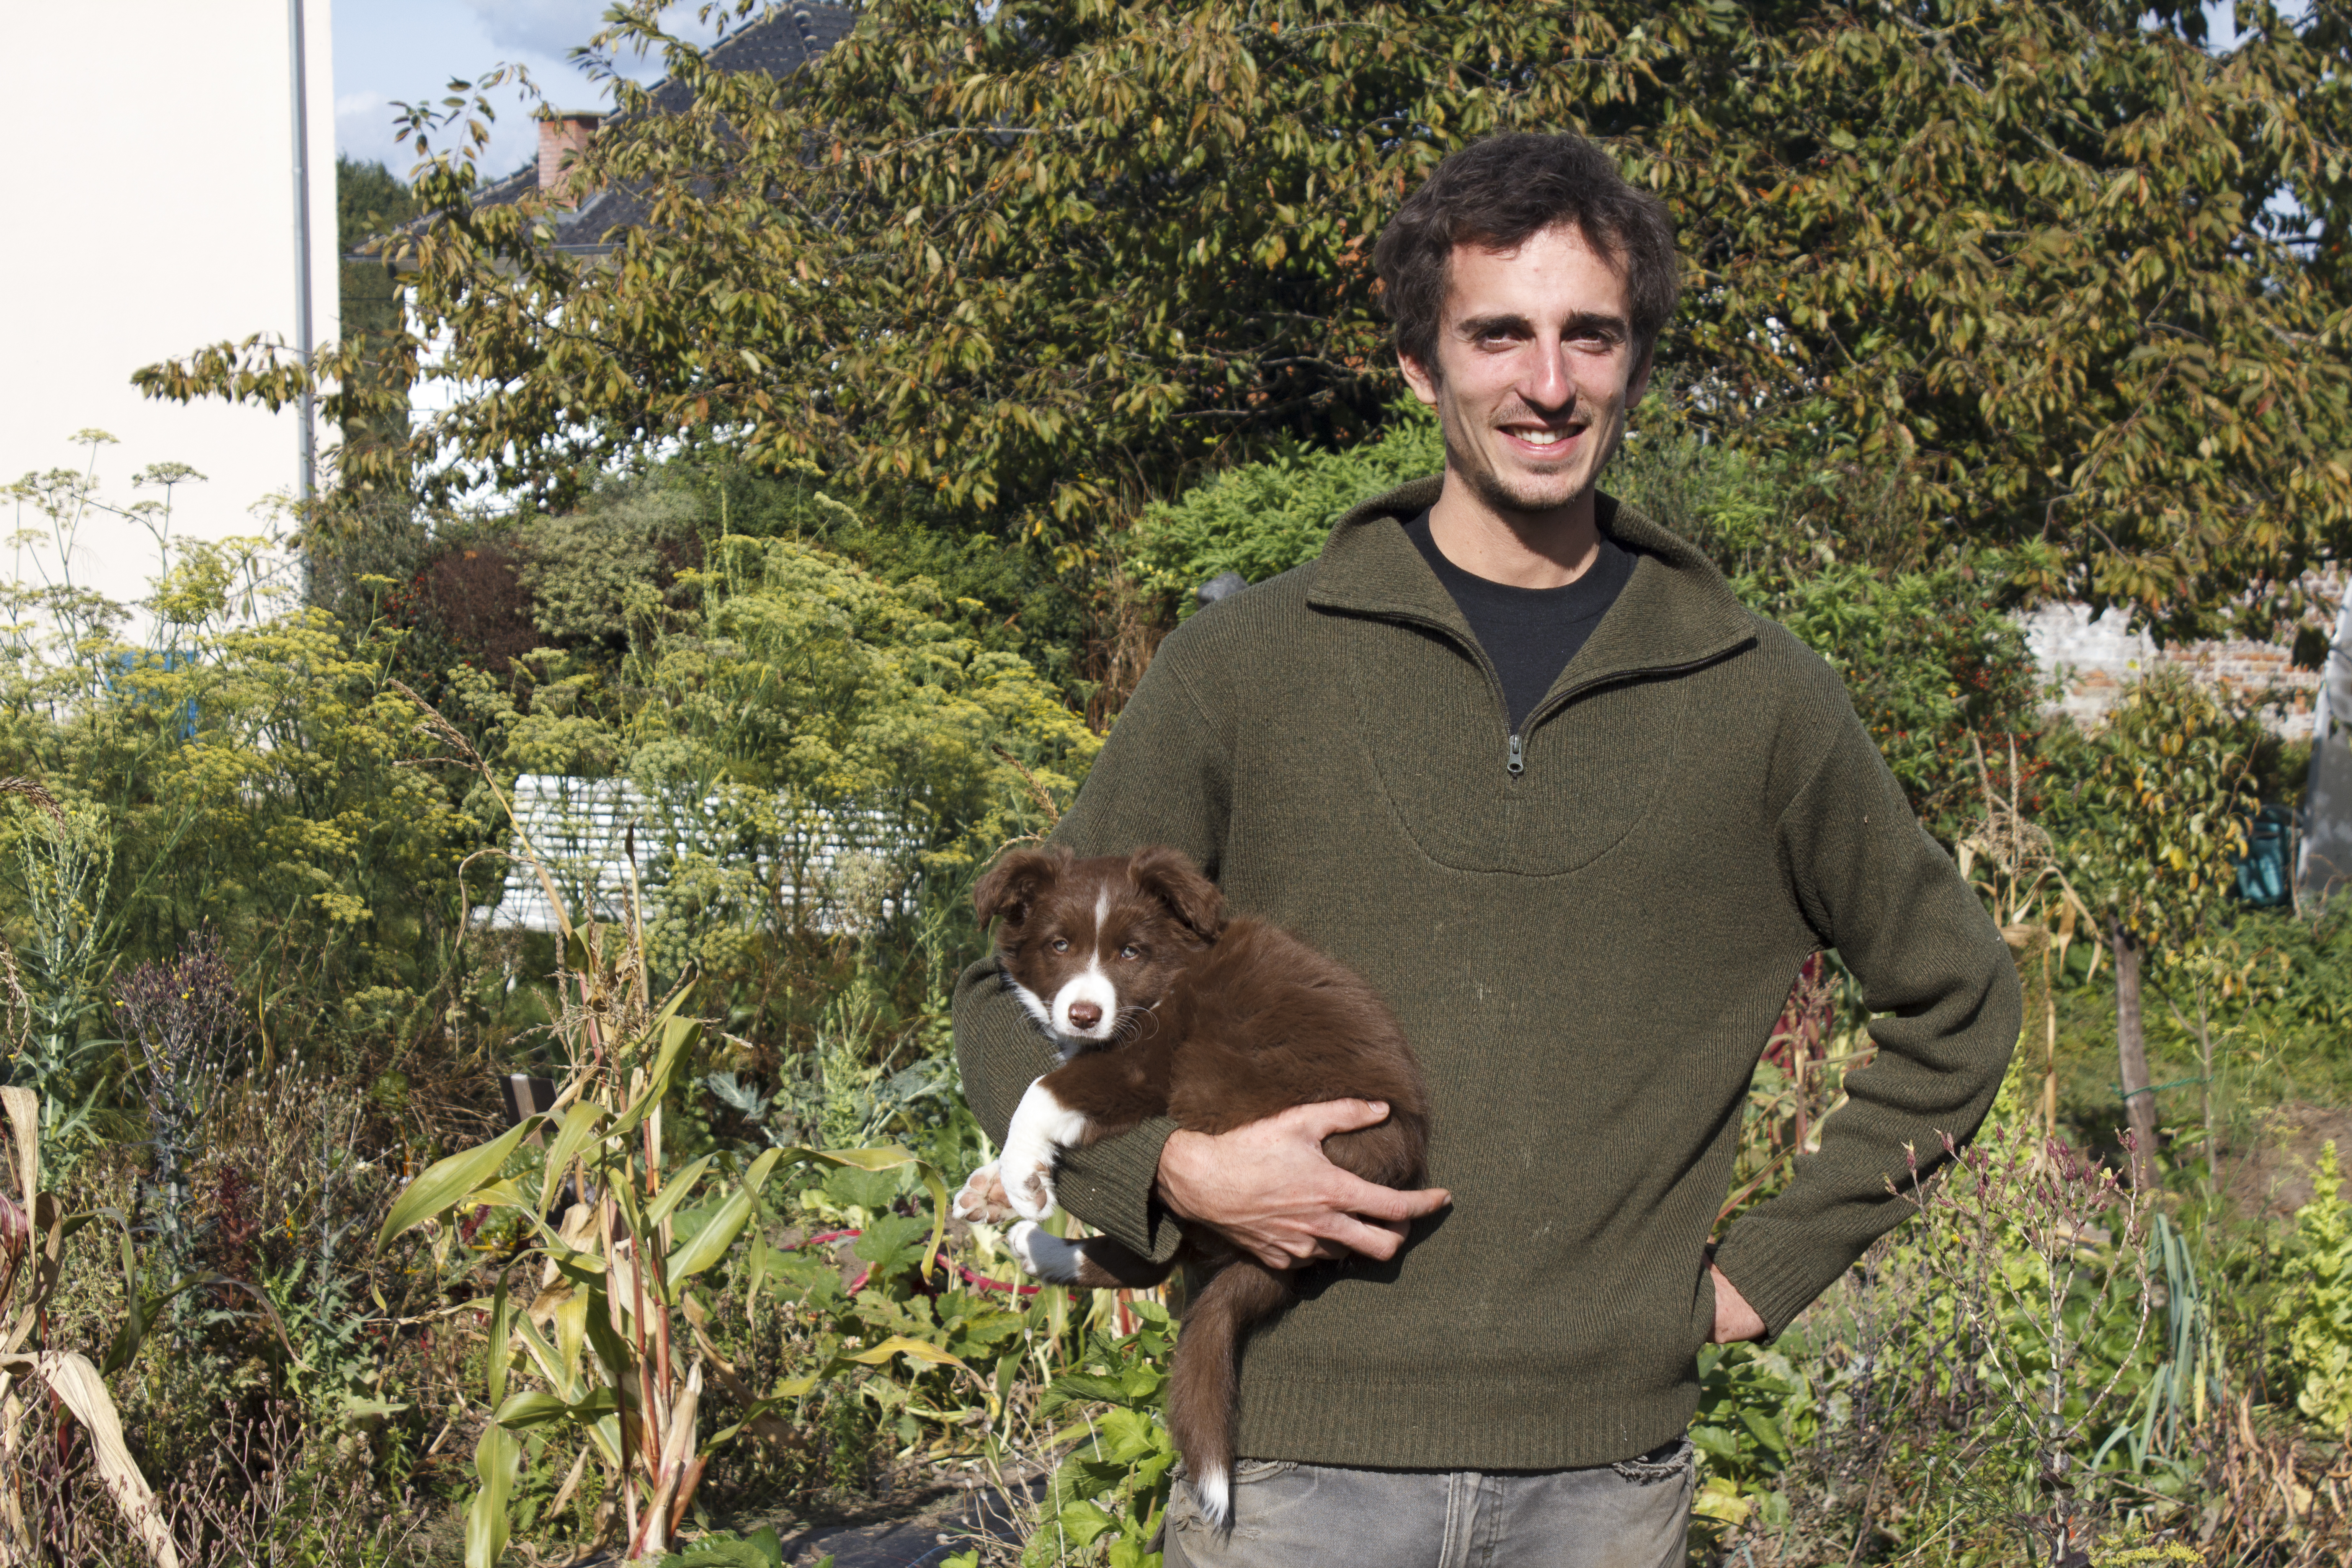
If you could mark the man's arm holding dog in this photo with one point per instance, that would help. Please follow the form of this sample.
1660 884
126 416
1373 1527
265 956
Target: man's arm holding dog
1163 779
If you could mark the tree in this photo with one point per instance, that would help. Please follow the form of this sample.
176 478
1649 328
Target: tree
1038 265
2047 264
2166 826
371 202
2022 262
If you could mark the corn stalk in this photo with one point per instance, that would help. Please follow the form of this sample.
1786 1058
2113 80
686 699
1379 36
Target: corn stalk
33 1231
596 1303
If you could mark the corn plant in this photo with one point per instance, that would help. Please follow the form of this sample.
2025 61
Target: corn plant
597 1299
33 1226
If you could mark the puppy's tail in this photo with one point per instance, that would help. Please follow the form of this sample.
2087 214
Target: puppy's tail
1207 1375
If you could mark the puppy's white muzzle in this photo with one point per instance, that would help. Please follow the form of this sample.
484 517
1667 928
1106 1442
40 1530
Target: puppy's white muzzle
1092 987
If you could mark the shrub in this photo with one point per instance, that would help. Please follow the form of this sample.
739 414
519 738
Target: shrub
1262 519
1935 668
2315 1306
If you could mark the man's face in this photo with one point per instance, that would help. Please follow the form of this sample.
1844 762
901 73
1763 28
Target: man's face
1536 367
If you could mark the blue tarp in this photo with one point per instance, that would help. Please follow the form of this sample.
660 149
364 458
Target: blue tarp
2267 871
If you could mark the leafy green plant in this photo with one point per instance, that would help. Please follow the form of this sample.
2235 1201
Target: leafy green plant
1112 1492
1262 517
607 1328
1937 669
2315 1306
1755 1407
2155 855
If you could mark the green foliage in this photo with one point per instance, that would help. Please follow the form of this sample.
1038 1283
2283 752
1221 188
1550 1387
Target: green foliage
2160 831
1262 517
1075 253
2315 1306
1739 509
589 572
760 1549
1936 668
1112 1492
2026 260
370 202
1756 1406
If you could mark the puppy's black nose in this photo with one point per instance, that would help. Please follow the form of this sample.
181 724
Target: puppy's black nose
1084 1015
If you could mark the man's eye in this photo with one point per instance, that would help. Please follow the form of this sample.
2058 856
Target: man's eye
1130 950
1060 944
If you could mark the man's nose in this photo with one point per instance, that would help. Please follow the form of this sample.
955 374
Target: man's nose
1084 1015
1547 384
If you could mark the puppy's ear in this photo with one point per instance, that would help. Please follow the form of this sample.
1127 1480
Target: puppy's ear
1017 881
1170 875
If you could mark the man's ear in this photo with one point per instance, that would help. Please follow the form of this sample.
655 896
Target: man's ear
1017 881
1417 376
1170 875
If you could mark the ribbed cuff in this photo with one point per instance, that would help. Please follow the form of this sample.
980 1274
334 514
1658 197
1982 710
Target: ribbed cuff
1111 1185
1778 1278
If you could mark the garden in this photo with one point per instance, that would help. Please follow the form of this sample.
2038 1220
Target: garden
478 1086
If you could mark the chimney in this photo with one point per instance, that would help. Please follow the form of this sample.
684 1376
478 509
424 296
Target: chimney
563 134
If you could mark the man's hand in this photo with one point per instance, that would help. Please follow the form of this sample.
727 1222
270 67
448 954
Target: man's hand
1735 1319
1269 1190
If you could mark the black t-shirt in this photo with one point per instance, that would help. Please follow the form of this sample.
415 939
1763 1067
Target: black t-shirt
1529 634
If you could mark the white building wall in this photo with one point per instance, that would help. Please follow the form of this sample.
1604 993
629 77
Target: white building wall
151 194
2092 660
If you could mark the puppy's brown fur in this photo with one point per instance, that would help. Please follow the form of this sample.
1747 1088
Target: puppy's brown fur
1218 1024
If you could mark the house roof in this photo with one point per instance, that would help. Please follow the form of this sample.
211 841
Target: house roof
777 44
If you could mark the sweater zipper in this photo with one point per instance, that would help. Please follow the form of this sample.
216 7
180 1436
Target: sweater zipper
1515 759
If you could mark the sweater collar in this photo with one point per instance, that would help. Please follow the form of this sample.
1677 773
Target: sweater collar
1676 611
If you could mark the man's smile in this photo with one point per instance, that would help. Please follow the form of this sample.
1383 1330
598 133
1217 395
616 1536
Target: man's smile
1545 440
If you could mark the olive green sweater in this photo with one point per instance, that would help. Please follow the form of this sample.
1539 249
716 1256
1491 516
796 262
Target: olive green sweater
1588 957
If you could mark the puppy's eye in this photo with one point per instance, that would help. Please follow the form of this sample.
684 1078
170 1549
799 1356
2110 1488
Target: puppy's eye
1130 950
1060 944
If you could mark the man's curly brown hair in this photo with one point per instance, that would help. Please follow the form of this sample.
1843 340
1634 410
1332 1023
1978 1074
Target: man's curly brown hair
1499 193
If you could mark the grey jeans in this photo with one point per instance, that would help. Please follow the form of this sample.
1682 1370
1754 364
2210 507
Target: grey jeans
1630 1515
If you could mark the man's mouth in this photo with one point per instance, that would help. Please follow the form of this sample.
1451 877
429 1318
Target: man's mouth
1543 437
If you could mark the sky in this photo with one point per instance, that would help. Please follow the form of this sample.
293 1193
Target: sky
392 51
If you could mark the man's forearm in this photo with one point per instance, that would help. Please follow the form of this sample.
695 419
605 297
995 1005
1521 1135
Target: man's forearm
1933 967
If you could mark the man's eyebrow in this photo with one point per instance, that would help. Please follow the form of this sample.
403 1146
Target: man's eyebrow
1584 323
1493 326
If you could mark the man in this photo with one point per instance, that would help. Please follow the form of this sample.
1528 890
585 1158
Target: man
1517 756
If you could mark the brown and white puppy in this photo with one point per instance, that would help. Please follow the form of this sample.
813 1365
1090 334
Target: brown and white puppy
1161 1006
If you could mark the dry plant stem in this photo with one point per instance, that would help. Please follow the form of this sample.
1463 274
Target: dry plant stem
604 1207
1037 791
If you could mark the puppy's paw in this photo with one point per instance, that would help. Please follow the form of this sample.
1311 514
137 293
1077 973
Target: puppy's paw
1028 1186
981 1199
1045 1255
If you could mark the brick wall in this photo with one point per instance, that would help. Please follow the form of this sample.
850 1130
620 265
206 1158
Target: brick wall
2092 660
